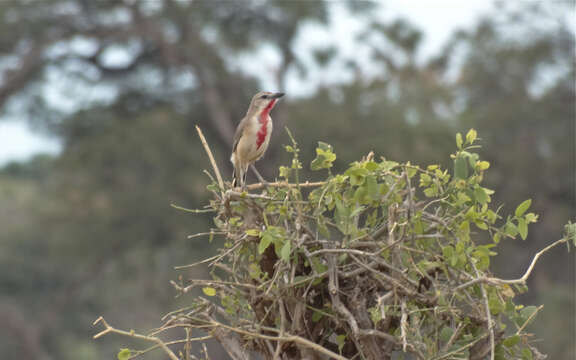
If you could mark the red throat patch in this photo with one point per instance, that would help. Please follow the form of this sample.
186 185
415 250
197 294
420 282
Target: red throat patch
263 131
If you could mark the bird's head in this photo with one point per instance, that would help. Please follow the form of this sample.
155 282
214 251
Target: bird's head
264 100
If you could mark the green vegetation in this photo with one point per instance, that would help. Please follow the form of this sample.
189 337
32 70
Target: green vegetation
382 259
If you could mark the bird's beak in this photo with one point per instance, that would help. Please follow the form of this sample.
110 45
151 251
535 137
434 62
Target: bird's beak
277 95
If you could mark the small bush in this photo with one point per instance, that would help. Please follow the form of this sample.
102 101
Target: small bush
386 260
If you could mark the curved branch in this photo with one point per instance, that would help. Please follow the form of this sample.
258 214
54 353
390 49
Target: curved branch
522 280
109 329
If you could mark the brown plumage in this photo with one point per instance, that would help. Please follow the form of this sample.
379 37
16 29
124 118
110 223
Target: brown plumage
252 135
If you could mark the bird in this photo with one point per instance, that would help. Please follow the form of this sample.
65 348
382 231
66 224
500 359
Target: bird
252 136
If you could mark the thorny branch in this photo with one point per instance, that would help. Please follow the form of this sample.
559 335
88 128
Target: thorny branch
301 276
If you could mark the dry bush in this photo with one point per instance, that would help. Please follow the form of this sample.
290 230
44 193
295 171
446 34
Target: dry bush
386 260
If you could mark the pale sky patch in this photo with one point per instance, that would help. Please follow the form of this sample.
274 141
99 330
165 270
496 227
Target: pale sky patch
18 142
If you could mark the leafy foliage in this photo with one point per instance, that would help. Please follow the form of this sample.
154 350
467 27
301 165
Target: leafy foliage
383 258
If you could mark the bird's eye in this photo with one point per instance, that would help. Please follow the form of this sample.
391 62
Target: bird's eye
264 97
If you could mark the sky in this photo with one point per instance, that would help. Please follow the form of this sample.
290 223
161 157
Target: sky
437 18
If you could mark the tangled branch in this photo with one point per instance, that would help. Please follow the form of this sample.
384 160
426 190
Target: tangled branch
362 265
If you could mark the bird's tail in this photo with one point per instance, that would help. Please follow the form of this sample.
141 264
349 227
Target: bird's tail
239 176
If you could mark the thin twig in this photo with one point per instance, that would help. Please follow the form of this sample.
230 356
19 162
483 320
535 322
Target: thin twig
282 328
489 320
403 325
529 319
286 338
210 259
109 329
195 211
187 345
182 341
211 157
526 275
522 280
210 233
284 184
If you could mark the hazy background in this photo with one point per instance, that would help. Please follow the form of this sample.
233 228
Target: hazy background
108 93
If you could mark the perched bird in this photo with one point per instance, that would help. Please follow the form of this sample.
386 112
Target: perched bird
252 136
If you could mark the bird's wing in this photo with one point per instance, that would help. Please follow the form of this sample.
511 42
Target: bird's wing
238 133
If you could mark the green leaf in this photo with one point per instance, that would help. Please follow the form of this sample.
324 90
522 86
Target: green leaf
450 255
209 291
418 227
360 195
482 254
296 164
510 229
482 165
318 266
570 232
497 238
388 165
371 165
124 354
500 353
522 228
212 187
511 341
357 174
471 136
285 171
316 316
375 314
410 171
464 230
481 195
446 334
448 251
324 157
472 158
481 225
372 189
341 341
460 167
459 141
495 304
285 252
531 218
528 312
254 271
357 211
425 179
252 232
527 354
430 192
521 209
272 235
265 241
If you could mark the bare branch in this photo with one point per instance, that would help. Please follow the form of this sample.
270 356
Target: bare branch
211 157
522 280
109 329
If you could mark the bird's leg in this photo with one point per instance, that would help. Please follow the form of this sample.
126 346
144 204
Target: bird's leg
260 178
244 176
